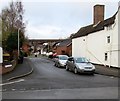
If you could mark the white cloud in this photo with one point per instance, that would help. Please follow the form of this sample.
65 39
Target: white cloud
59 20
49 31
43 31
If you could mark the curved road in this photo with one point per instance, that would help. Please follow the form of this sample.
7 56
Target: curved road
50 82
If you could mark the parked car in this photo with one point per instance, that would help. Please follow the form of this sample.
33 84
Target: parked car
21 57
60 60
50 55
79 64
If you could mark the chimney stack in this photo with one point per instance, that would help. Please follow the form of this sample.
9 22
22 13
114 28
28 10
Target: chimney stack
98 13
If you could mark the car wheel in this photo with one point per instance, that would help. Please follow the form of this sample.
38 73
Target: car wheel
67 68
75 70
55 64
92 73
58 65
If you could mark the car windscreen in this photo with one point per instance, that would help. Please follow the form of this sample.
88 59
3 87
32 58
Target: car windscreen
81 60
63 57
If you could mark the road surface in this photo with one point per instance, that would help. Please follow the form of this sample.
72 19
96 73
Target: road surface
50 82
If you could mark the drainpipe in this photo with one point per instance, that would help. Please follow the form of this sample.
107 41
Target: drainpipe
111 42
95 57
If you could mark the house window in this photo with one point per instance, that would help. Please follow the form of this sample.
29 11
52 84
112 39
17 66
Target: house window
106 56
108 39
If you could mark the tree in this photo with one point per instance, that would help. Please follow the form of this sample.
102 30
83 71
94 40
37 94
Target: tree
12 20
11 42
0 33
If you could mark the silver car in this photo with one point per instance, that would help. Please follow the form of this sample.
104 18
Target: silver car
60 60
79 64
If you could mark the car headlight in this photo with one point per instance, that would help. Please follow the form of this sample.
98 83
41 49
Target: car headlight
79 67
62 63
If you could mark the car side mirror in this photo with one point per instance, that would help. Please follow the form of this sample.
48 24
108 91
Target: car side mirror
89 61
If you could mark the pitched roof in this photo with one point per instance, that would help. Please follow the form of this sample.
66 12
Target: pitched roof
94 28
65 42
54 45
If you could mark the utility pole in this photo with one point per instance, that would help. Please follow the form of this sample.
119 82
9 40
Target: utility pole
18 41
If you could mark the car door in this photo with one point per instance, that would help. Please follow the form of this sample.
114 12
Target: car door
70 63
56 60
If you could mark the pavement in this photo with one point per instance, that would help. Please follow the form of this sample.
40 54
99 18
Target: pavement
20 70
25 69
108 71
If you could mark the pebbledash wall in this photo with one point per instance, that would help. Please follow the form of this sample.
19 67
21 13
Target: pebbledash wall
94 45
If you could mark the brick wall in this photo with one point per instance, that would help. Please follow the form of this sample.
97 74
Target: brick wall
4 70
98 13
67 50
60 50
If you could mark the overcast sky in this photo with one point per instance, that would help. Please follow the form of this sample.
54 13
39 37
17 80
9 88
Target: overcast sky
47 19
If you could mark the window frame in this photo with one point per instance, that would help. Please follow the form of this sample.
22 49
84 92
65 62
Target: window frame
108 39
106 56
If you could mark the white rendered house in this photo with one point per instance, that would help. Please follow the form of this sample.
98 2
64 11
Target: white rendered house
98 42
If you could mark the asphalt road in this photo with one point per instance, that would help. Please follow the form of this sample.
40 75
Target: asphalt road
50 82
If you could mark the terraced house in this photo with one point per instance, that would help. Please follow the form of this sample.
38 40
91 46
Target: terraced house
99 41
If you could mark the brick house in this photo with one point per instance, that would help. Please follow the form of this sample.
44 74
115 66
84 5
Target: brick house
64 47
26 48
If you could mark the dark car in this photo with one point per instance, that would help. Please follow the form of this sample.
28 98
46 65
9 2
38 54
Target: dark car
79 64
21 57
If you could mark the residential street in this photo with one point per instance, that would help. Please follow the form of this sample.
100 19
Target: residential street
50 82
62 51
